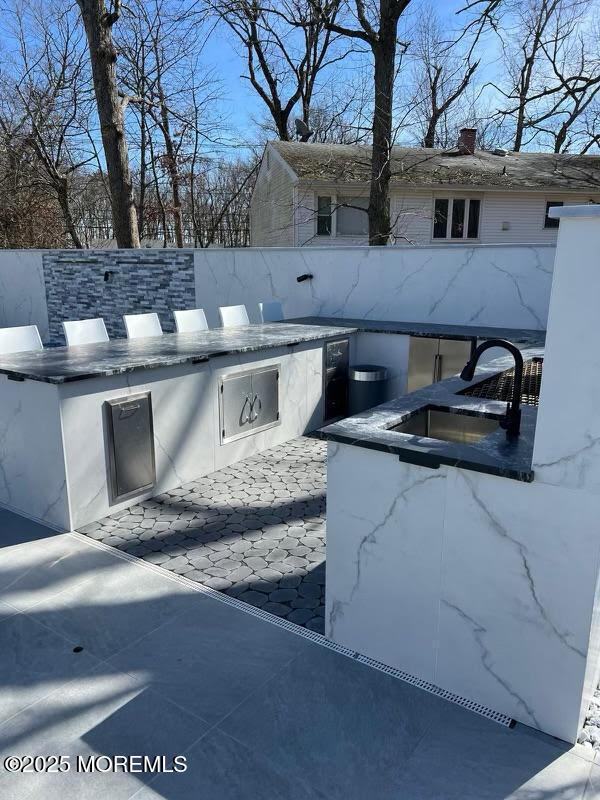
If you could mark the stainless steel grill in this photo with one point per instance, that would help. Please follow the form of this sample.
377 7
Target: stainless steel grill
500 386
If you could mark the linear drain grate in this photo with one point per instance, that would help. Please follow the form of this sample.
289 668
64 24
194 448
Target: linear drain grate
305 633
500 387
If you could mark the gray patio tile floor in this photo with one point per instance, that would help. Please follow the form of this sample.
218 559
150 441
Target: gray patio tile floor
255 530
257 710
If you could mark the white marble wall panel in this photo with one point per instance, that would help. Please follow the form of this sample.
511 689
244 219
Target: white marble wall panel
315 407
32 473
384 539
504 285
184 433
519 572
22 290
567 439
484 586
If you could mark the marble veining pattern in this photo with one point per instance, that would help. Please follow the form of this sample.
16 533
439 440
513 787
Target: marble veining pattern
518 591
22 290
384 526
437 284
64 364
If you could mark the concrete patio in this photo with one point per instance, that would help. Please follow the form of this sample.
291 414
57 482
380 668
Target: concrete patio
168 668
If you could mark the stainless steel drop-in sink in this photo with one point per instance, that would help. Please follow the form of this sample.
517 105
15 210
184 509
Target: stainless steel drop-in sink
449 426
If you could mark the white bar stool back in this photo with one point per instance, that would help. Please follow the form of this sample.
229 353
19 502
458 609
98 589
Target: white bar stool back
20 339
139 326
85 331
233 316
190 320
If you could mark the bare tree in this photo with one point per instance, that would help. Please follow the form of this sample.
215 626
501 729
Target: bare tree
574 63
378 28
29 215
98 22
220 203
442 70
47 103
287 47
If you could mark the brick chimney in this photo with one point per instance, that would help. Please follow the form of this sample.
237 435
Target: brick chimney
466 141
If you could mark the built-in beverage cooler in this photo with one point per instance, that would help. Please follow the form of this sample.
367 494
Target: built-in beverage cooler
336 357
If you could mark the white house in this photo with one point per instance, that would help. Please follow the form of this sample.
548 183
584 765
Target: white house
312 194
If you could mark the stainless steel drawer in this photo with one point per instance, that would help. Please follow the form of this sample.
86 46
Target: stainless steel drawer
130 445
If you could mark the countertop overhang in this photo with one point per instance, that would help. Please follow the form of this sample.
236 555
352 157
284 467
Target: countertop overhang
58 365
494 454
520 336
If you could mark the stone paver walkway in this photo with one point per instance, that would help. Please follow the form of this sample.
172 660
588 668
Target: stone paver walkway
255 530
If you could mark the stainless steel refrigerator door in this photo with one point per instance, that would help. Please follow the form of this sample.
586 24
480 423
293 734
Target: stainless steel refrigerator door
421 361
452 357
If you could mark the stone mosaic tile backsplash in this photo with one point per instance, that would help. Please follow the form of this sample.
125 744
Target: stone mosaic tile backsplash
105 283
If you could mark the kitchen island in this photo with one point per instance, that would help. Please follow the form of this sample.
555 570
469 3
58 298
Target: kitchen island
86 431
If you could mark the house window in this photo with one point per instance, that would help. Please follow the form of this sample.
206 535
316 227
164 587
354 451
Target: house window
551 222
456 218
352 218
324 215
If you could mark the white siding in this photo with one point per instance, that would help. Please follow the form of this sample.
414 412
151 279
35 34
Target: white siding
272 205
522 214
411 215
306 218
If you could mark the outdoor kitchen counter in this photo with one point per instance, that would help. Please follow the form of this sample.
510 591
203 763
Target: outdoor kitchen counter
494 454
170 409
59 365
521 336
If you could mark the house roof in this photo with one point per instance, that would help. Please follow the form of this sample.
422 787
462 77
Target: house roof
418 166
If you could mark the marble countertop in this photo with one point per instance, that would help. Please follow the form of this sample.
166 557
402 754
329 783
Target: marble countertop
430 329
65 364
494 454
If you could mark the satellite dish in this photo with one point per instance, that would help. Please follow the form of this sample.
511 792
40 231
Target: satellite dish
302 130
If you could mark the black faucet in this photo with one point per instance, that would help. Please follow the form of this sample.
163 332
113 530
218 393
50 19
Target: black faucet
512 421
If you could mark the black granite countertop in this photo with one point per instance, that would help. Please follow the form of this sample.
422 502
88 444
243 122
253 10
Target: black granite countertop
66 364
430 329
494 454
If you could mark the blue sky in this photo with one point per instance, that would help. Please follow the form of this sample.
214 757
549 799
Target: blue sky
240 101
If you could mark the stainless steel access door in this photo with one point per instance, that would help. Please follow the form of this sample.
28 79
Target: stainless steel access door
265 398
248 402
235 402
130 445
